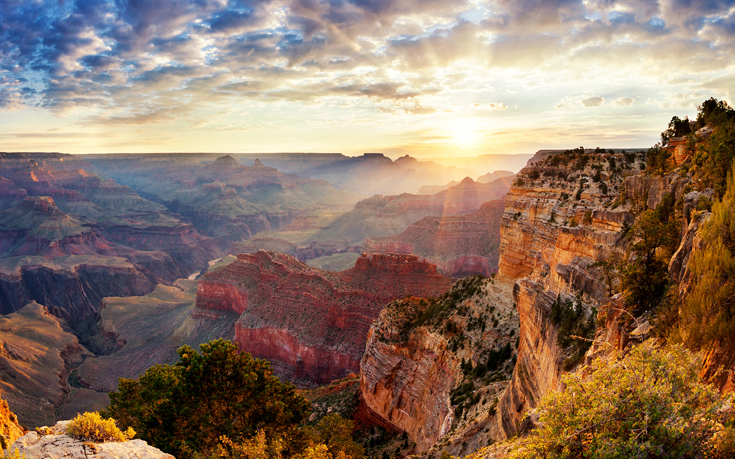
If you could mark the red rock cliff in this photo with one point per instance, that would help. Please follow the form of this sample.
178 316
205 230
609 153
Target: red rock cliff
312 324
559 220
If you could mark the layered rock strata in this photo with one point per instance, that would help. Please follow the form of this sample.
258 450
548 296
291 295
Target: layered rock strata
435 368
36 353
312 324
562 216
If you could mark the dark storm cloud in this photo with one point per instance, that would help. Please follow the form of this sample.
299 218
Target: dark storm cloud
107 54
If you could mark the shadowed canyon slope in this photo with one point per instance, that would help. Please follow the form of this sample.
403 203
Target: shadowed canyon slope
76 237
312 324
223 199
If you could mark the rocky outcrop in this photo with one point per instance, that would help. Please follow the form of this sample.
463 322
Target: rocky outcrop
563 214
431 367
458 245
56 443
312 324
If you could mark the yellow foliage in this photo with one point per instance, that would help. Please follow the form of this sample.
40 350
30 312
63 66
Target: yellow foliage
92 427
257 447
14 454
321 451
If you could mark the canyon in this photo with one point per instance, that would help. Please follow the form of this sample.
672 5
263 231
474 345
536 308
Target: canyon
560 217
459 245
103 245
313 236
311 324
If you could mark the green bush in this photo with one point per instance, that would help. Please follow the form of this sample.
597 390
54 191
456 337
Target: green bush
708 311
656 237
185 408
575 328
92 427
650 404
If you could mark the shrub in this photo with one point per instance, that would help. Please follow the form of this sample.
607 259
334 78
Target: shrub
335 433
92 427
575 328
185 408
658 160
587 219
649 404
708 312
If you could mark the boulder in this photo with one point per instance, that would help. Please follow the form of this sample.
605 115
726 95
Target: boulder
56 443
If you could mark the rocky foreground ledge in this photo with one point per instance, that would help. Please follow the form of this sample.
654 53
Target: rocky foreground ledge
56 443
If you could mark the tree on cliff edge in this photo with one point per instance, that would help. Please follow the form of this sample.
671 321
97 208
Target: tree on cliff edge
185 408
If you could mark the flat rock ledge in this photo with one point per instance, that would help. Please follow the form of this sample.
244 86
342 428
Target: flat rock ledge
56 444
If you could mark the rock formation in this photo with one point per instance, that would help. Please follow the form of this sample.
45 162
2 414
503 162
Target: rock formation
56 443
90 235
561 217
224 199
312 324
565 212
424 359
458 245
381 216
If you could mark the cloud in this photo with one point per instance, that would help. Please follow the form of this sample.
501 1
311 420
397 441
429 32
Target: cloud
488 107
122 59
594 101
581 101
623 101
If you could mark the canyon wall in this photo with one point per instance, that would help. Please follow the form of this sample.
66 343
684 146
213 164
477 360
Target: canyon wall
312 324
434 368
565 212
553 232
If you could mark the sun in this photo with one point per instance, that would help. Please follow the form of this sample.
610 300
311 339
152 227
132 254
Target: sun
465 133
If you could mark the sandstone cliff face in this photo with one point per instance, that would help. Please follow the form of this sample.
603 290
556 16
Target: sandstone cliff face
424 358
311 324
563 214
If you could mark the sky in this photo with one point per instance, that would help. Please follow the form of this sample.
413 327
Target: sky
428 78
